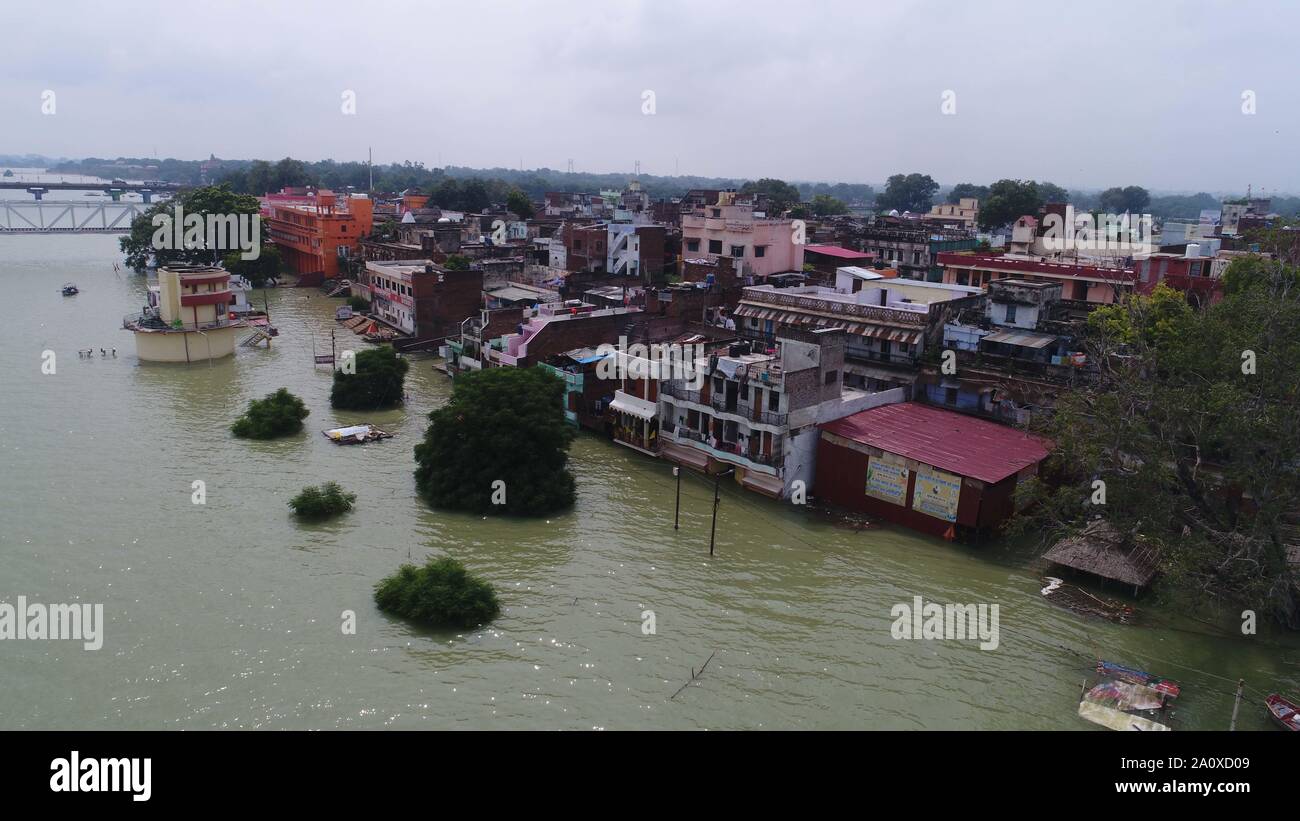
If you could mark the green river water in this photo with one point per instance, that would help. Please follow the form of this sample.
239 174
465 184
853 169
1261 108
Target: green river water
228 614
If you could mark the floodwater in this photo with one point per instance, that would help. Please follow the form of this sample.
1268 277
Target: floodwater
229 614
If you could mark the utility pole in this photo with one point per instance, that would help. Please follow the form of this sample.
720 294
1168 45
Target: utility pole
677 471
370 162
717 500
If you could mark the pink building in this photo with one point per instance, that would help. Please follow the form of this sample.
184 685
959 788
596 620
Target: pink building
758 245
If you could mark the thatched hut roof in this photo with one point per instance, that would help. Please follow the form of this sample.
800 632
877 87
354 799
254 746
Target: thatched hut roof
1102 550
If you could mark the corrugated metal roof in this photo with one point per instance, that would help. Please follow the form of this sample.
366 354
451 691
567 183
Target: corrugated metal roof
1022 339
949 441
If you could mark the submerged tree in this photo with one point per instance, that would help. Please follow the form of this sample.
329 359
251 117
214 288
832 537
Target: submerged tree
377 381
442 593
277 414
1189 438
500 445
322 501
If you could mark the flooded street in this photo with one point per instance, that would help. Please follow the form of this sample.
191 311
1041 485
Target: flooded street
228 614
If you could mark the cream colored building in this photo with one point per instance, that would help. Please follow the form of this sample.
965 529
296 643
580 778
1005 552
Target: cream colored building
187 319
967 210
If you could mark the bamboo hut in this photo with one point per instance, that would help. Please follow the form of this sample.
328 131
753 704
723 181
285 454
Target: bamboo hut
1101 550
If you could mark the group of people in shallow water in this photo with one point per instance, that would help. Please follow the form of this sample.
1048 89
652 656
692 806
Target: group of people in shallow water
90 352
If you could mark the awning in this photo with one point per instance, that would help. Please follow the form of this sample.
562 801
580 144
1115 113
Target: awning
1021 339
634 406
801 320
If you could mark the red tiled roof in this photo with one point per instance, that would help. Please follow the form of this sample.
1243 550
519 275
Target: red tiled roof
943 439
837 251
996 262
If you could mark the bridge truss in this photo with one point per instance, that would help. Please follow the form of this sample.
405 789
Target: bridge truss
52 217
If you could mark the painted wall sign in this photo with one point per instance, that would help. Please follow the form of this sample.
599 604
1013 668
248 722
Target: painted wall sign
887 481
937 494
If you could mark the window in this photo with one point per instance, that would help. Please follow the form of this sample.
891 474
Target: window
760 251
715 246
950 396
832 377
737 250
744 391
1011 312
717 212
693 245
773 401
916 257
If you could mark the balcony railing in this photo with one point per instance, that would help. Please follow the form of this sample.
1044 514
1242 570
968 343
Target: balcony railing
149 321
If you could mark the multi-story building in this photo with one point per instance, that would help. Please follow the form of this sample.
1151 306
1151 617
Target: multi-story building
912 249
756 411
422 299
316 232
729 228
1100 283
188 317
966 212
890 323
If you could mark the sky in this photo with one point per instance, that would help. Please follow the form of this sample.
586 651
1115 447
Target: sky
1094 94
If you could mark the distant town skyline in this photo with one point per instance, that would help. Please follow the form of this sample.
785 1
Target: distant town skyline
1172 97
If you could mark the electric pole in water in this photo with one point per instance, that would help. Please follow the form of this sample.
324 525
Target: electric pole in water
717 500
677 471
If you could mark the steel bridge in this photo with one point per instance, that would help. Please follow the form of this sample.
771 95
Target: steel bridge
51 217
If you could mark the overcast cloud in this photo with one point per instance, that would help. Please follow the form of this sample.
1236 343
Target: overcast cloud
1085 94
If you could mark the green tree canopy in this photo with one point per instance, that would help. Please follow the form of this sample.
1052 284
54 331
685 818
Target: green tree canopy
824 205
967 189
267 266
780 194
501 425
440 594
908 192
1191 423
1131 199
377 383
213 199
276 414
518 203
322 502
1008 201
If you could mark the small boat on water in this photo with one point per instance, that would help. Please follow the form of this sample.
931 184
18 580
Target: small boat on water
70 290
1284 712
356 434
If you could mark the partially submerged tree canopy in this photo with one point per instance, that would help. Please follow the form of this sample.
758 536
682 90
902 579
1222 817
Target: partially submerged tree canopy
277 414
442 593
1193 428
502 425
377 383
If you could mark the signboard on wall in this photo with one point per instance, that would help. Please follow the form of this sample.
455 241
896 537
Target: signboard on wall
937 494
887 481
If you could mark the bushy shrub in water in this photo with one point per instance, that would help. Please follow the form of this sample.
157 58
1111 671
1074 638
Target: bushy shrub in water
277 414
321 502
440 594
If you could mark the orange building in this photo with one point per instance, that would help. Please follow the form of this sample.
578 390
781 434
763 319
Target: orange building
313 231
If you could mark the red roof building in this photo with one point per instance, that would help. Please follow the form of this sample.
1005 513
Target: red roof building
925 468
1085 283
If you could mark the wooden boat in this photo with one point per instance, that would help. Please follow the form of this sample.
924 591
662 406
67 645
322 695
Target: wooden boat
356 434
1128 699
1285 713
70 290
